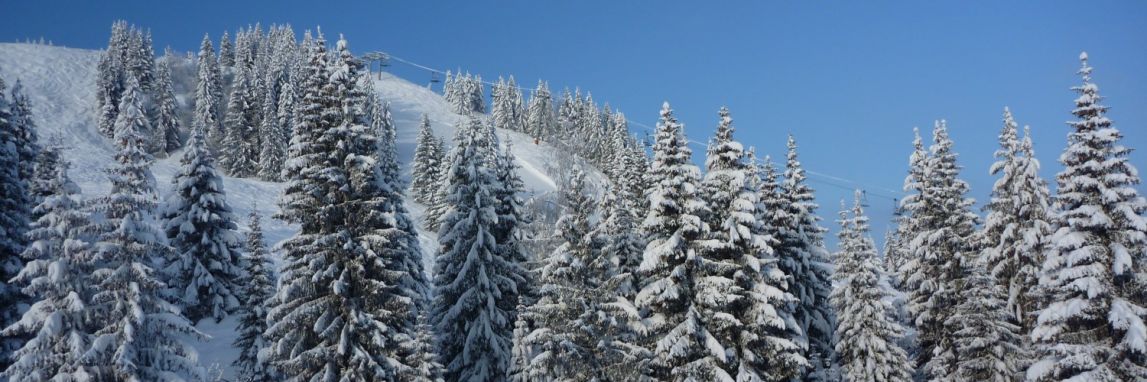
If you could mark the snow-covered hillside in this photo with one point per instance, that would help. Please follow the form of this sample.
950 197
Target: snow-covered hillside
61 85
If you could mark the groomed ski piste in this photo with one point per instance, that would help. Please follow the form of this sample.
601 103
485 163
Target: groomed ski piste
61 84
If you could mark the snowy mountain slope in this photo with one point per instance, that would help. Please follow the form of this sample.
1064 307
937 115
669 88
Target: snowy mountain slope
61 85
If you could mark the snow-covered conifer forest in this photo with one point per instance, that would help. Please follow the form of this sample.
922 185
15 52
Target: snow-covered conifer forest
269 208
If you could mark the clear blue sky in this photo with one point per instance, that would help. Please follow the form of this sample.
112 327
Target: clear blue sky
849 79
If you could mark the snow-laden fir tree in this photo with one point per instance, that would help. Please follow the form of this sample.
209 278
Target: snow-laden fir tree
506 102
475 286
204 271
57 276
770 212
866 334
801 255
1092 327
272 139
748 324
344 306
403 254
257 289
109 85
208 93
541 122
167 138
509 233
581 325
427 161
43 182
139 335
909 223
1016 229
226 50
24 129
239 149
682 287
943 243
989 345
438 206
16 203
275 132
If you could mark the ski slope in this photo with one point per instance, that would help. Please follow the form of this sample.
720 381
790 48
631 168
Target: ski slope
61 83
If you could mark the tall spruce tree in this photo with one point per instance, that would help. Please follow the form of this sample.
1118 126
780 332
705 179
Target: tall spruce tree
258 288
166 109
204 272
540 118
239 149
802 256
511 216
1016 229
226 50
58 275
988 343
342 310
943 246
1093 326
755 336
475 286
272 141
866 333
139 335
208 93
427 162
18 151
680 289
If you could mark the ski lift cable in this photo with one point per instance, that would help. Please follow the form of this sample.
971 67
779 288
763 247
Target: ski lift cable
858 185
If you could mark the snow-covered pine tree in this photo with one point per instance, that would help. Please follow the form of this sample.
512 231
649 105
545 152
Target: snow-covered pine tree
275 132
239 149
475 286
541 122
57 276
140 59
15 201
427 162
208 93
500 105
989 346
581 324
139 335
272 142
866 334
563 346
802 256
24 134
438 206
508 232
1093 326
680 288
909 222
167 137
748 324
257 289
770 213
204 272
226 50
1016 229
109 84
943 245
475 95
349 318
403 254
